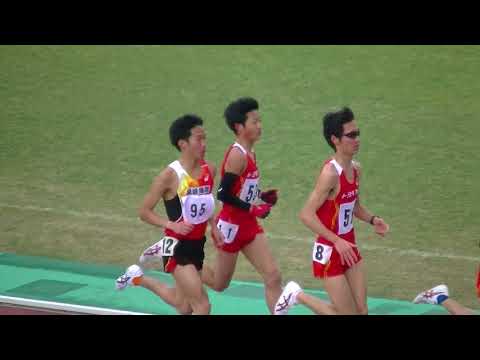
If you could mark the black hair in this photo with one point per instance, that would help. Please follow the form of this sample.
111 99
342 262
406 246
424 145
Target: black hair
181 128
333 124
236 112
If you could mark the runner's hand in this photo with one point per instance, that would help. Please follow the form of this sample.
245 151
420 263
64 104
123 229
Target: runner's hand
217 237
181 228
345 250
260 211
270 196
380 226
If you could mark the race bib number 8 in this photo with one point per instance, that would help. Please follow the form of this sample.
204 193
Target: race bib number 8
345 217
321 253
228 230
168 245
249 191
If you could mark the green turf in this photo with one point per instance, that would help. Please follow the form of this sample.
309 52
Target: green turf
83 129
40 278
44 288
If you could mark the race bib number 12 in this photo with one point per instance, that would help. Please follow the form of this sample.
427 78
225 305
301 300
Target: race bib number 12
168 245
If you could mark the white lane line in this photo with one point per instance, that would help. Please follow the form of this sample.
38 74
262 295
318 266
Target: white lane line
368 247
51 305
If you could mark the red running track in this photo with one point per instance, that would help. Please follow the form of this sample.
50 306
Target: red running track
8 309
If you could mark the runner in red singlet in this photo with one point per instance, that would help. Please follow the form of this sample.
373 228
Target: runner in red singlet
329 213
244 202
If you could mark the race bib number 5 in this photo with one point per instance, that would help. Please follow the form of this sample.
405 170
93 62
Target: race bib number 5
345 217
249 191
168 245
321 253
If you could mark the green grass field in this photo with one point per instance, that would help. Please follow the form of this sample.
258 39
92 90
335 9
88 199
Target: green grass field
83 130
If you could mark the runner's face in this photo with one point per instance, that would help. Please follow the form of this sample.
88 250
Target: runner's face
350 141
253 126
197 143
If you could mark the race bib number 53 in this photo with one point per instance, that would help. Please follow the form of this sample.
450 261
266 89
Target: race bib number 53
249 191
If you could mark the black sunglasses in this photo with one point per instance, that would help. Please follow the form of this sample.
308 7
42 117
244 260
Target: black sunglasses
352 134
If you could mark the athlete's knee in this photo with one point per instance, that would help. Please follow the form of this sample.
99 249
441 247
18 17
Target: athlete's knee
201 307
183 307
344 308
362 309
185 310
345 311
220 282
220 287
273 278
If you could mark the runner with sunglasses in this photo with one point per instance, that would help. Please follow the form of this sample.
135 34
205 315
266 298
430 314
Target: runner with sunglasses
329 213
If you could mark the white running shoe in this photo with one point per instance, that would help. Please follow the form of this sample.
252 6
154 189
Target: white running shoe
151 253
287 298
126 279
432 296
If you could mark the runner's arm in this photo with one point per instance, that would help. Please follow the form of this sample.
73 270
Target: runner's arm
359 211
326 183
234 166
362 213
213 172
160 186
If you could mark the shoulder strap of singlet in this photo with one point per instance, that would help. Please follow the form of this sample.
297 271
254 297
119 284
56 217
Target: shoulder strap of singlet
337 166
204 164
179 170
237 145
245 152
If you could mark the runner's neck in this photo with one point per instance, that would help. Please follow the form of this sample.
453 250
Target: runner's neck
191 166
247 145
344 161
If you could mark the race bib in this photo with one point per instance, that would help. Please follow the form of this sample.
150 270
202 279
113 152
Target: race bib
345 217
168 245
249 191
228 230
321 253
197 209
